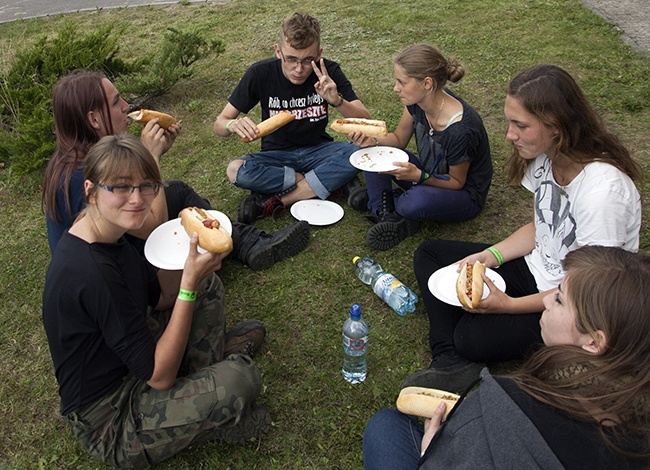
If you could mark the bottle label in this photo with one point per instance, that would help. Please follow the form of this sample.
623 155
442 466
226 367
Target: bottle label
385 285
356 344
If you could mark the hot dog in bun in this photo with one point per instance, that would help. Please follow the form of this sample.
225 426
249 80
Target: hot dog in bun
422 402
272 124
212 237
470 284
143 116
370 127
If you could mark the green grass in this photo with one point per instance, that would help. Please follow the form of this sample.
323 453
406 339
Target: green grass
319 418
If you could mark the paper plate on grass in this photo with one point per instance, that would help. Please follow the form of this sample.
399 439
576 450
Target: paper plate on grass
317 212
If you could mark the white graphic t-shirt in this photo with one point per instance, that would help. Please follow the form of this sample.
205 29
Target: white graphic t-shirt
601 206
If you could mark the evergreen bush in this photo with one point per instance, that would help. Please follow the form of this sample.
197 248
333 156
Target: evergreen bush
173 62
26 124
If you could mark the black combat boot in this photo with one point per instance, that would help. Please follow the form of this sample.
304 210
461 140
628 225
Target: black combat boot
391 228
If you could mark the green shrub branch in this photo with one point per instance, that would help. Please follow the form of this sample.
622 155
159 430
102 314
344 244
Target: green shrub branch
26 123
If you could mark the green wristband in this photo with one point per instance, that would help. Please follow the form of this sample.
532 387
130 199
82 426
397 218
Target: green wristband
497 254
187 295
228 125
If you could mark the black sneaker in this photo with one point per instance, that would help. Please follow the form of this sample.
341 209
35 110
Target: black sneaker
253 426
343 193
244 338
273 248
358 199
451 373
390 231
350 186
255 206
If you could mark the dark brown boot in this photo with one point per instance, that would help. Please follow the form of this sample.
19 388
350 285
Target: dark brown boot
244 338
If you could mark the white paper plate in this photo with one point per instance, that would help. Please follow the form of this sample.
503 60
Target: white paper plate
442 284
377 159
168 245
317 212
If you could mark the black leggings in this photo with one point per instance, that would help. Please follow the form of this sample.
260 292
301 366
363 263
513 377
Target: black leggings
479 338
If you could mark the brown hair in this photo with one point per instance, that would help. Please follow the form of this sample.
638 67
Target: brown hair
73 97
115 156
420 61
300 31
551 95
608 287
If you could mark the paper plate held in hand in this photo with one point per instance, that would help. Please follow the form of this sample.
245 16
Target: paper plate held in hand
442 284
376 159
168 245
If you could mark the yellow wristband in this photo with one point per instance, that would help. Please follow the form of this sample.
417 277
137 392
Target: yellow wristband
187 295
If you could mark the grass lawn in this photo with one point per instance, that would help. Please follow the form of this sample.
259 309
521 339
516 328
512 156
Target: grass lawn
318 417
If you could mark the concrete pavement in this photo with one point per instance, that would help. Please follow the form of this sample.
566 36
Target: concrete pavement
632 17
11 10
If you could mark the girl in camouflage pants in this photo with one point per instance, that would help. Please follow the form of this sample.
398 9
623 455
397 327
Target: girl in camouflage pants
139 362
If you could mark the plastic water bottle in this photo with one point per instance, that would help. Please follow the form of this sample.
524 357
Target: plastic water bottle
355 343
385 285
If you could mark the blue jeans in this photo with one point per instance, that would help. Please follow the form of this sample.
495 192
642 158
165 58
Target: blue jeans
421 202
326 168
392 441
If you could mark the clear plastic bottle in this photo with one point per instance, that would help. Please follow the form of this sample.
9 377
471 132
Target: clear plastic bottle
385 285
355 343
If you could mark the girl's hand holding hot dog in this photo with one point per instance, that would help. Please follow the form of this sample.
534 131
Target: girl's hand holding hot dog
159 130
363 140
199 265
431 426
158 140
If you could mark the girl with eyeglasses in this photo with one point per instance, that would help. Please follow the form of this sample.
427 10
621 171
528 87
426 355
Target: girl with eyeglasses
87 106
138 352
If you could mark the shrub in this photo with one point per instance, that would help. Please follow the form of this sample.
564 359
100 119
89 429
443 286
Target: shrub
26 123
179 50
25 113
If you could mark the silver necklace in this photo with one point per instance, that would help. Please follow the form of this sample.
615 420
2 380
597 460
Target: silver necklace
431 128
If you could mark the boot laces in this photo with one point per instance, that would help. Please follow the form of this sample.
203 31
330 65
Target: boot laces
249 348
272 206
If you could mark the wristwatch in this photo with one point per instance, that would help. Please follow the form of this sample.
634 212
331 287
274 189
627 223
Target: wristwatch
340 102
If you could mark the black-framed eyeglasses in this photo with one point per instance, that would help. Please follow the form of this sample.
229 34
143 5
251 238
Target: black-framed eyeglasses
295 61
125 190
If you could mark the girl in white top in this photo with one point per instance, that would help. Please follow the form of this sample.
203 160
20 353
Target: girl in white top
582 178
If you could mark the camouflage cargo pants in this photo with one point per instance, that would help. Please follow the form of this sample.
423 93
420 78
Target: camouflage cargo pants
136 426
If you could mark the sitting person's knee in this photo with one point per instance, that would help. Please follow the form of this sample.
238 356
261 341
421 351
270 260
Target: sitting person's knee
233 168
